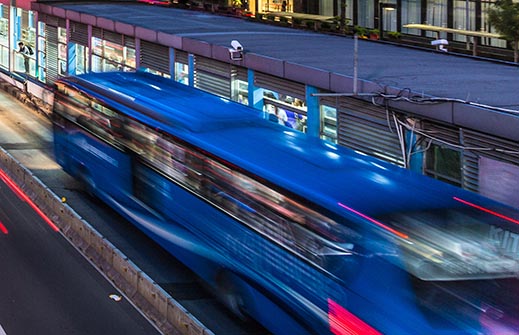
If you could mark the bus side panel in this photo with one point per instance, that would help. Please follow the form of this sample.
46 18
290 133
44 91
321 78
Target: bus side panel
102 167
244 249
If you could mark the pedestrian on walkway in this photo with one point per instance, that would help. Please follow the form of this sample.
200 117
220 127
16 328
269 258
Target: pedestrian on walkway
26 52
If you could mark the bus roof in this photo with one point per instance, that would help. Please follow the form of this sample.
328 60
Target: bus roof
166 100
320 171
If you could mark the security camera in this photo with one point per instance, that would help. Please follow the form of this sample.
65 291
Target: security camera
236 45
236 52
440 42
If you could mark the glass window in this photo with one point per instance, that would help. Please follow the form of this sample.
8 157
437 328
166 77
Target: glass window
329 123
81 59
62 51
182 73
366 14
109 56
460 14
240 91
114 55
284 109
436 16
443 164
411 14
129 58
4 37
25 32
41 52
62 35
485 27
389 16
275 5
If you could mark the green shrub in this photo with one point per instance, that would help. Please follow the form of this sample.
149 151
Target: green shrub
310 24
325 25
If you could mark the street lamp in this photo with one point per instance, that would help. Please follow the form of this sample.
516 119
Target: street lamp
382 6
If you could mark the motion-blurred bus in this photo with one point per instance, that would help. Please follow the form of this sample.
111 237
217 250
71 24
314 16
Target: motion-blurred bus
304 236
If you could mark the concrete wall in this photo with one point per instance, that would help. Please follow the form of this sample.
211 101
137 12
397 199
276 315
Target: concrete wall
165 312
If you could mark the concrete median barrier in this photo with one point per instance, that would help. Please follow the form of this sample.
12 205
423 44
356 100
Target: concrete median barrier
166 313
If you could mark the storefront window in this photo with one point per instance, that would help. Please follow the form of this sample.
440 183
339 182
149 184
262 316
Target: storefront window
25 32
275 5
460 13
411 10
109 56
114 56
41 52
485 27
62 51
329 123
157 73
129 58
436 16
285 110
366 14
81 59
240 91
4 34
182 73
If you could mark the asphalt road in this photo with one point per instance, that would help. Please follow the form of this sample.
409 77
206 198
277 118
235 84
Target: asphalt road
47 287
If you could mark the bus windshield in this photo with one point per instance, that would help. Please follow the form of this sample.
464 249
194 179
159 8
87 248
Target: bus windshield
458 243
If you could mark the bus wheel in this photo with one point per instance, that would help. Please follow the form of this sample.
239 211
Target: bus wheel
229 292
89 183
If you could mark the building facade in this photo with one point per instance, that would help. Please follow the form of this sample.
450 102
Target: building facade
65 45
393 14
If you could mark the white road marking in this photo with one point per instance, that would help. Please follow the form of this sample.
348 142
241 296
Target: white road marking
2 331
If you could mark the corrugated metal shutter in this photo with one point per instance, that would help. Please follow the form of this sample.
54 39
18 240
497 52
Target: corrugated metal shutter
470 164
78 33
129 42
280 85
441 132
52 53
112 37
181 57
364 127
50 20
502 150
213 76
154 56
25 16
97 32
239 73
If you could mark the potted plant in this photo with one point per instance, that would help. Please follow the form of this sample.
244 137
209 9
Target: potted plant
360 31
374 34
394 35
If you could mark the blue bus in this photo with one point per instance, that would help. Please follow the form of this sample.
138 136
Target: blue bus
304 236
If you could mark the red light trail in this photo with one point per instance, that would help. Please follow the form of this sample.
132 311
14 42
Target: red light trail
378 223
3 229
16 189
486 210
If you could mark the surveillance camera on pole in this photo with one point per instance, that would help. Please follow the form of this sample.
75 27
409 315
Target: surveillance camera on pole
236 52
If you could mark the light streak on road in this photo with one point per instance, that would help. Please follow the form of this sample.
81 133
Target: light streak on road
16 189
